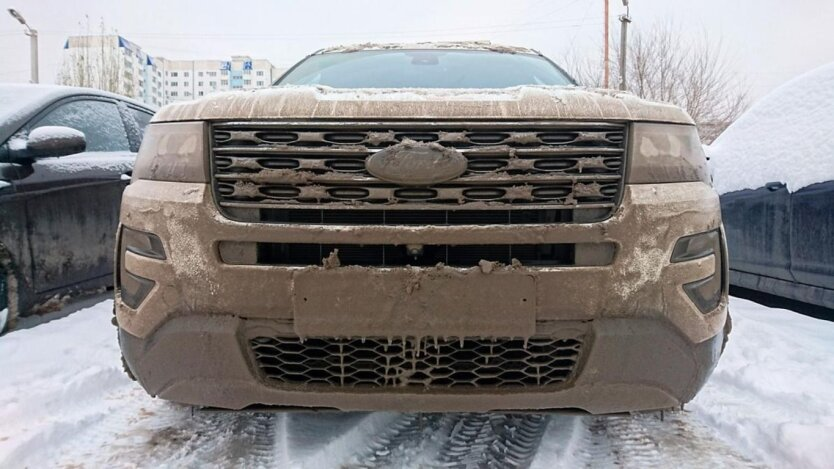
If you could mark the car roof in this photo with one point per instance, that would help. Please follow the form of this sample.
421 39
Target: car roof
20 102
441 45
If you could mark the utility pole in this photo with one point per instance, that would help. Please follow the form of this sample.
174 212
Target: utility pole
33 43
605 41
624 21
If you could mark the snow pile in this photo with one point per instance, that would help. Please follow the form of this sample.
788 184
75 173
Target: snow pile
787 136
773 391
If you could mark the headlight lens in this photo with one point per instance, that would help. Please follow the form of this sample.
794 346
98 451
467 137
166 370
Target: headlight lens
666 153
173 152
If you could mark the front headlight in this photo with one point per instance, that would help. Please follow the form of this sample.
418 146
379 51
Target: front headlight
173 152
666 153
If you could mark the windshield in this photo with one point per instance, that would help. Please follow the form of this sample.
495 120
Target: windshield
424 69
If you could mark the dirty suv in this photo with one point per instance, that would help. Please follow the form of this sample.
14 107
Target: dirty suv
423 227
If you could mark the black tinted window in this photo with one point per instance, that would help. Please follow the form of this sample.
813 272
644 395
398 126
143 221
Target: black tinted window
425 69
99 120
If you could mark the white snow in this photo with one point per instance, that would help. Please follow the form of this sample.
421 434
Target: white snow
65 402
773 391
48 132
116 161
327 93
787 136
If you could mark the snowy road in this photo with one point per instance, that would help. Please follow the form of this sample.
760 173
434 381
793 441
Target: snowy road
64 401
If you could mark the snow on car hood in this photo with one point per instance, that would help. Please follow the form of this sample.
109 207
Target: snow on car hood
522 102
787 137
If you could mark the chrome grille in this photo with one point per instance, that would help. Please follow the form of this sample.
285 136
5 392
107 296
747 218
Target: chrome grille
321 166
447 363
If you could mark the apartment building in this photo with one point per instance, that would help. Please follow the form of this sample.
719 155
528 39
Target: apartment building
189 79
113 63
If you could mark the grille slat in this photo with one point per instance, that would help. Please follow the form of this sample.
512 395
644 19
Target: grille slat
407 363
558 165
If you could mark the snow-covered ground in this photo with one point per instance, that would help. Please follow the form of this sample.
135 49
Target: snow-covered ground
64 401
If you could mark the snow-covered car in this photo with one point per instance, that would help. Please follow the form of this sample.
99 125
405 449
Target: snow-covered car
431 227
774 169
64 152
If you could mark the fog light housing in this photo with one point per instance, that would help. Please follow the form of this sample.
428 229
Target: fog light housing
705 293
133 289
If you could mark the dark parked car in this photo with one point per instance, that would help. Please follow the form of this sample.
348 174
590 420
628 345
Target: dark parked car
782 242
58 216
774 169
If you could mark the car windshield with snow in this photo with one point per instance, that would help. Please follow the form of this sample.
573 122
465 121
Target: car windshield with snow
371 235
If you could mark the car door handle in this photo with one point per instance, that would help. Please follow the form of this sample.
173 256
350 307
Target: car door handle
774 186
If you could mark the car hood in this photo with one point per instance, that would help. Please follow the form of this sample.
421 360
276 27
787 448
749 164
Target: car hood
523 102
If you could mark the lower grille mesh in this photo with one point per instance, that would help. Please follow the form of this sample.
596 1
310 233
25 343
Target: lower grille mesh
448 363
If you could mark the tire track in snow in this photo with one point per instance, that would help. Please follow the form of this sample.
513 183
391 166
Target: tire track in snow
634 441
493 440
400 442
142 432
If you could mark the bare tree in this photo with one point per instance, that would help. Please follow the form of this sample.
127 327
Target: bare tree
664 66
96 61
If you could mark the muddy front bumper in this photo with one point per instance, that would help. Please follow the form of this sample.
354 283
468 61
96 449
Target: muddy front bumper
199 335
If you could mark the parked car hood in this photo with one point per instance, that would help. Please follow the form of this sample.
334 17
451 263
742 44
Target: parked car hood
523 102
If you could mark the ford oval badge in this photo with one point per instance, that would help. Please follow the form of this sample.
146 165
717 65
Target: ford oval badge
411 163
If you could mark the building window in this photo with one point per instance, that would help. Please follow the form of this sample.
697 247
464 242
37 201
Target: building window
185 83
185 74
173 74
260 83
212 84
187 93
199 93
224 72
212 74
174 83
247 82
199 74
199 83
173 93
259 73
224 82
247 72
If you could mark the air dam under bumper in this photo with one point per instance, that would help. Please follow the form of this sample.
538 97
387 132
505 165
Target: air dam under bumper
629 365
645 344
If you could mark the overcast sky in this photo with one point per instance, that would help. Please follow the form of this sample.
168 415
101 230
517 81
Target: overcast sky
768 41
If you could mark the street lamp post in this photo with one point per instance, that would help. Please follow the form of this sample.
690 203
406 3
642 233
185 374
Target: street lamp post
624 21
33 43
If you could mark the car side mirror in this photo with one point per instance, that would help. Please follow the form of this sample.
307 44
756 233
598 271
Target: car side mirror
43 142
52 141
